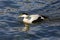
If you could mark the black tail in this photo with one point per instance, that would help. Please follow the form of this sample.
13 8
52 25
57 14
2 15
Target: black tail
45 17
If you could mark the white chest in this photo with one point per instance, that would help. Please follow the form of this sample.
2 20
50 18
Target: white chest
27 21
30 19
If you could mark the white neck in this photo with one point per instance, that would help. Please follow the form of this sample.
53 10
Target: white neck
26 20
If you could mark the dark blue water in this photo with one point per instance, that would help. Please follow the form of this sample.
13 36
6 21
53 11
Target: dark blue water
11 25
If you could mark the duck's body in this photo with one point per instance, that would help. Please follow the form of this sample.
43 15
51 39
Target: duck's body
29 19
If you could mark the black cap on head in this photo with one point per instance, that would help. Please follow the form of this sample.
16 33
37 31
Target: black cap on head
25 13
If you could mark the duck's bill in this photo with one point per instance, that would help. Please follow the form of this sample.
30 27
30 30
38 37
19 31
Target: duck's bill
19 16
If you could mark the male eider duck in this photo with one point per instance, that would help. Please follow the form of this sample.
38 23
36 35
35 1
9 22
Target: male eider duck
31 19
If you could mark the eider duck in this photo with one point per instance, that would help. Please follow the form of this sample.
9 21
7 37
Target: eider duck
31 19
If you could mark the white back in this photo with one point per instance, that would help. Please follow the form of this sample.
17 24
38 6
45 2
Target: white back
33 17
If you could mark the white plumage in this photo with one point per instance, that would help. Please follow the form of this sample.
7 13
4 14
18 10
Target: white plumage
29 19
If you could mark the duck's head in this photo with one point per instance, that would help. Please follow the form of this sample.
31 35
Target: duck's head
23 15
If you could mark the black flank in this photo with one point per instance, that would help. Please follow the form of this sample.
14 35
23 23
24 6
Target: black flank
37 20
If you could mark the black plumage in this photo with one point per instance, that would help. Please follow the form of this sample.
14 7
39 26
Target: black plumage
37 20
